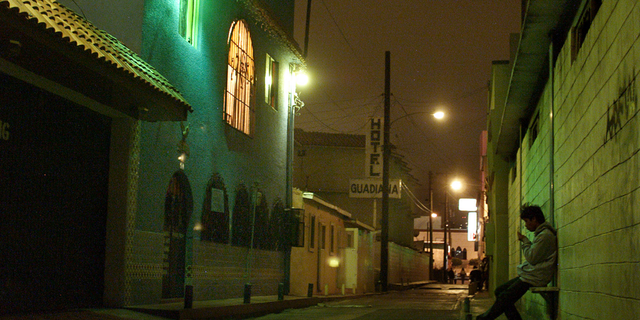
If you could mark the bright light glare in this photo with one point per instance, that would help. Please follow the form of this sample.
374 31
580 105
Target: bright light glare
472 226
467 204
456 185
302 78
434 215
438 115
334 262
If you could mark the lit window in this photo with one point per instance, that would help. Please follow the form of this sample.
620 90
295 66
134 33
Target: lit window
188 24
240 77
271 83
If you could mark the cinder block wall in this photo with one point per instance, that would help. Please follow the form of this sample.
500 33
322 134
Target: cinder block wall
596 170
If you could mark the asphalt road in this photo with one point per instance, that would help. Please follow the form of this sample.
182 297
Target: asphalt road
425 303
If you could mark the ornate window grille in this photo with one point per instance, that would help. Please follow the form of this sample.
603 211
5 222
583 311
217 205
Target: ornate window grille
238 110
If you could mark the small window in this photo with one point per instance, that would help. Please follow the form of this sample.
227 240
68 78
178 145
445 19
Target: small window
534 129
332 241
350 235
323 237
188 24
312 232
238 109
579 32
271 83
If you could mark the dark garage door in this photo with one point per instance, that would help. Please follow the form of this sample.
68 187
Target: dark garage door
54 161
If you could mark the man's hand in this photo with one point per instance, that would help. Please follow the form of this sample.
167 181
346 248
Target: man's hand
521 236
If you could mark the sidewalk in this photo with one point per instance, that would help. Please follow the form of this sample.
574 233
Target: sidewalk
481 302
211 309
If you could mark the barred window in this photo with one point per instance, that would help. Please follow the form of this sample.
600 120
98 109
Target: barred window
238 110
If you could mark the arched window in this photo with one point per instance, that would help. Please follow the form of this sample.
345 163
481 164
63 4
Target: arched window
238 110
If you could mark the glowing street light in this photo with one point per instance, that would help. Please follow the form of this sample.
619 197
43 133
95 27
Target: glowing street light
302 78
456 185
438 115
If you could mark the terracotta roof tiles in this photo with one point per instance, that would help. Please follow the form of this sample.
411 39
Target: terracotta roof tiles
76 31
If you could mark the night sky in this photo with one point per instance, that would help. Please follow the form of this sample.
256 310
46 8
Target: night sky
441 54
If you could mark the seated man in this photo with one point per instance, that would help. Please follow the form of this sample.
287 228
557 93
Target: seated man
475 275
536 271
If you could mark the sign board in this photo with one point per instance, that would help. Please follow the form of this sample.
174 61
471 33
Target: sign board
372 188
472 226
467 204
373 148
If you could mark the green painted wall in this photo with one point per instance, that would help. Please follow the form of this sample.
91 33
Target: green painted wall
594 98
215 148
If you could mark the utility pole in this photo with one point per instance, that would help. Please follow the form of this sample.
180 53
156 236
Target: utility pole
384 236
430 225
444 222
306 30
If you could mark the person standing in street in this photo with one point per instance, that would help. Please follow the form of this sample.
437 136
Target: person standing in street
536 271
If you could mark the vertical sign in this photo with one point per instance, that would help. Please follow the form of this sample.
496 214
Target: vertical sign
373 149
472 226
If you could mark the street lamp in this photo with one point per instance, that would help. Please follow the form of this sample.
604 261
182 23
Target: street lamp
455 185
296 70
432 216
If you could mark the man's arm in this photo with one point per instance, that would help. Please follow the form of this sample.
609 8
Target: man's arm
540 249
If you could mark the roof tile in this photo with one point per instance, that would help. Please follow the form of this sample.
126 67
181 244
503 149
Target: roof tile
75 30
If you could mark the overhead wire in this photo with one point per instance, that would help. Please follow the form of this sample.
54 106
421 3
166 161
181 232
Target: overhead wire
415 200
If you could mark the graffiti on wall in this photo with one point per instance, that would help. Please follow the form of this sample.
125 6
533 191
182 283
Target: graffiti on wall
622 109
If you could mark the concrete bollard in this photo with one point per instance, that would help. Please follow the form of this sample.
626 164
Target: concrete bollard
280 291
310 290
343 289
466 307
326 289
247 293
188 296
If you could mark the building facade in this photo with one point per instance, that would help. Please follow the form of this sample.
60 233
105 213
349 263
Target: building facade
326 163
563 134
158 194
335 254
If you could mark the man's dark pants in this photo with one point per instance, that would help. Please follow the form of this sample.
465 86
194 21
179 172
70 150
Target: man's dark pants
506 297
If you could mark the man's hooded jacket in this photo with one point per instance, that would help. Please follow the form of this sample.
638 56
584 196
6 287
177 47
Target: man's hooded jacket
540 256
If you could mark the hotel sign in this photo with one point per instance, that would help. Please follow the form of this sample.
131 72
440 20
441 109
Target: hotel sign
372 188
373 149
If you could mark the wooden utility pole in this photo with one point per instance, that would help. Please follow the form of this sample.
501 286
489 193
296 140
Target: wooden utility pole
384 230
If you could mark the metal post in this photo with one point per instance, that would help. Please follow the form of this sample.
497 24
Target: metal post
444 223
430 226
384 236
306 29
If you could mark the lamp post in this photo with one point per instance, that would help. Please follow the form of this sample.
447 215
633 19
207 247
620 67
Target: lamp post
296 78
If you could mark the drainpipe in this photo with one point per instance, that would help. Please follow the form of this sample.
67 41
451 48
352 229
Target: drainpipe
552 138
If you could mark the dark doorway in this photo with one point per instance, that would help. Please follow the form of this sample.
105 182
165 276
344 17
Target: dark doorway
54 168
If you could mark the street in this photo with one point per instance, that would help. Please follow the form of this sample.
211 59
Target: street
428 302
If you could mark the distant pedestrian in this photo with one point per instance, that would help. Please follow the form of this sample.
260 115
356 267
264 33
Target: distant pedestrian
463 275
452 275
537 269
